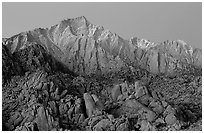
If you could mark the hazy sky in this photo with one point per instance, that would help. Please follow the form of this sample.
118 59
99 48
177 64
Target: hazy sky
153 21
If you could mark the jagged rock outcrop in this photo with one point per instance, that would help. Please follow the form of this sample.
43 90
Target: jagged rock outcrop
9 66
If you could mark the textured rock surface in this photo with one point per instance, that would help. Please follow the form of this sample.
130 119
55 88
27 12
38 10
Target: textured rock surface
80 76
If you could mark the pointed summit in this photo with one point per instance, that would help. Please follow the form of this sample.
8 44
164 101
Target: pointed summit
81 18
77 26
79 21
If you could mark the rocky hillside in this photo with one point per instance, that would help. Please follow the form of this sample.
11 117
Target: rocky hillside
79 76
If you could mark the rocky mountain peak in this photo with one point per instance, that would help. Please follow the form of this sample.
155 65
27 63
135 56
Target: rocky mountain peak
85 48
77 25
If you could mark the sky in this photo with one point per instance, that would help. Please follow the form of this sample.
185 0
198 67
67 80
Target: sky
156 22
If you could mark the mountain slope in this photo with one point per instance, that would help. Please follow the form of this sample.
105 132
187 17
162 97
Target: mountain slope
87 49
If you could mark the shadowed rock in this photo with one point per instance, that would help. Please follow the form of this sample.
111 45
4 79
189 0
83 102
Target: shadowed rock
116 91
98 103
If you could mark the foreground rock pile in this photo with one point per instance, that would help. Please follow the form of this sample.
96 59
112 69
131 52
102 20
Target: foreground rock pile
36 102
79 76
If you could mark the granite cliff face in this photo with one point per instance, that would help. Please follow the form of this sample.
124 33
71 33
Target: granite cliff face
80 76
88 49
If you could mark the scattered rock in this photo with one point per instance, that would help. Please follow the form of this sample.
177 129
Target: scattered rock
146 126
141 91
42 120
169 110
156 106
102 125
164 104
98 103
116 92
170 119
90 104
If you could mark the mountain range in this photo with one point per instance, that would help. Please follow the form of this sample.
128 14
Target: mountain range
85 49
